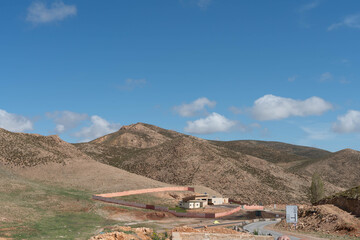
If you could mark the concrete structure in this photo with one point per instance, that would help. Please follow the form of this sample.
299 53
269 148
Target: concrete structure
217 200
201 200
192 204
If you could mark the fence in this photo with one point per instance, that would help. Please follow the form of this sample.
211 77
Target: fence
108 197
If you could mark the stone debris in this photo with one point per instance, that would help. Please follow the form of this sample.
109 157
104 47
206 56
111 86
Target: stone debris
325 218
126 233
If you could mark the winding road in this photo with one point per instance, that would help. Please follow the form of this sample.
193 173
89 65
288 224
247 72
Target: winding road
259 226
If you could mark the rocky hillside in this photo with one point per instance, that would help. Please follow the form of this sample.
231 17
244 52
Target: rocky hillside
325 219
21 149
340 168
138 136
348 200
289 156
50 159
184 160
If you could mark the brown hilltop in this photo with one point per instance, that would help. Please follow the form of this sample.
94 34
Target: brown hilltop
22 149
341 168
183 160
140 135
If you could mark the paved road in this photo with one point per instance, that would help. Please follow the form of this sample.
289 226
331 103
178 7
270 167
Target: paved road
260 227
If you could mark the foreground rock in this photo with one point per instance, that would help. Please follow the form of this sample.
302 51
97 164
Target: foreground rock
325 219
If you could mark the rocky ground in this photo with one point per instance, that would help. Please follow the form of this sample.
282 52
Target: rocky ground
326 219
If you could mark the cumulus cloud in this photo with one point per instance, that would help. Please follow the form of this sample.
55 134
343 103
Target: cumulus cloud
195 108
309 6
131 83
13 122
38 12
270 107
348 123
211 124
98 128
351 21
66 120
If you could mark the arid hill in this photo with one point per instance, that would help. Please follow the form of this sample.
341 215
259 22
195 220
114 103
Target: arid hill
340 168
249 171
137 135
282 154
21 149
50 159
184 160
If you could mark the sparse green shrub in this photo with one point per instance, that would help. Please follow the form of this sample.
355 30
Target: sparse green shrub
316 188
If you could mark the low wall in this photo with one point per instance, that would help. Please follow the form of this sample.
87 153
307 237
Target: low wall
253 207
223 214
149 190
107 197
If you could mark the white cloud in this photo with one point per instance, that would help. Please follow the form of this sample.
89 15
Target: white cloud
195 108
351 21
211 124
99 127
38 12
66 120
130 84
348 123
326 77
13 122
270 107
309 6
203 4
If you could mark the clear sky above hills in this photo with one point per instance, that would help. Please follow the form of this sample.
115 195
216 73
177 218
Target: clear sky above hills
282 70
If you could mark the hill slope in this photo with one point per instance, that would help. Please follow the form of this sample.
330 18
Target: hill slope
50 159
340 168
275 152
184 160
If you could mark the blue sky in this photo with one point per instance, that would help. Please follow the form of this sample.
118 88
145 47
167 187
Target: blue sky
268 70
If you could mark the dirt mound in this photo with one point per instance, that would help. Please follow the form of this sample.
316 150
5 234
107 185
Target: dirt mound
126 233
348 200
325 218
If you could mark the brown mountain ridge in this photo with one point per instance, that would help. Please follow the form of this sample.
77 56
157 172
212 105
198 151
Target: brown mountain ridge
182 159
142 155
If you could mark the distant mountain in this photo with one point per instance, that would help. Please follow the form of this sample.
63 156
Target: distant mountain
181 159
341 168
283 154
